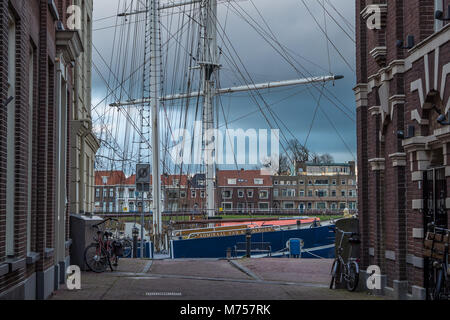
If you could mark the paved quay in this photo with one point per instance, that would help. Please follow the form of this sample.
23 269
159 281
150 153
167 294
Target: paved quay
208 279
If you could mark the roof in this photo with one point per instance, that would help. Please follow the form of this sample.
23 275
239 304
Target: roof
118 178
243 178
112 178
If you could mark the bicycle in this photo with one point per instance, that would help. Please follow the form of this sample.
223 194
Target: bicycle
437 243
349 272
103 251
127 243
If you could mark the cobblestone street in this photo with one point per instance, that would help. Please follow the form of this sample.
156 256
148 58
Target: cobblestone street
244 279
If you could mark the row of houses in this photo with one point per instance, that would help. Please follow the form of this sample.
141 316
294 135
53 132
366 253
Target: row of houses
47 147
315 188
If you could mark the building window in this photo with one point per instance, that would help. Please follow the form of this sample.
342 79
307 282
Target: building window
250 193
343 193
105 180
301 182
310 193
131 205
131 193
227 194
301 193
264 194
334 182
275 192
291 193
231 181
97 193
333 206
333 193
263 206
227 206
343 182
193 194
288 205
111 193
240 193
105 192
321 205
321 193
342 205
259 181
275 182
202 194
182 194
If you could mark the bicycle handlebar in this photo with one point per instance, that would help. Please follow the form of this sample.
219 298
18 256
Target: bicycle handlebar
433 225
107 219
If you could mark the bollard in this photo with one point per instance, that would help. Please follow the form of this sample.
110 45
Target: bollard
248 236
135 233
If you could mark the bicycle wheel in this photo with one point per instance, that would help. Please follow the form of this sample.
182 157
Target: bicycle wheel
95 258
113 260
352 277
436 291
127 248
335 269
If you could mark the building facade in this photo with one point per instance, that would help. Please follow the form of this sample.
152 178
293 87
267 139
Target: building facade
403 151
316 189
37 54
116 193
243 191
84 144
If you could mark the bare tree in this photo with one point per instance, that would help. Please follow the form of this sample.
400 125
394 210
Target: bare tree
326 158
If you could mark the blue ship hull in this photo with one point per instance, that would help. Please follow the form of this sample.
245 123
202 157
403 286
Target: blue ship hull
318 243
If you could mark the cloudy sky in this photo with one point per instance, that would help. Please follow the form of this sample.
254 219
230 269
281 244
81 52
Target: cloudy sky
295 29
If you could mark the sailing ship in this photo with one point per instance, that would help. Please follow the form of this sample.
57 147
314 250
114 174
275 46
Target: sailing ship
195 82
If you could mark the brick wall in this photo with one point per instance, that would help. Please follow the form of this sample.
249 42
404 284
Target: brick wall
35 28
387 216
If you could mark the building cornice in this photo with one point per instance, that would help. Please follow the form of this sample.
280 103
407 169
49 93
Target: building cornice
361 95
398 159
377 164
70 44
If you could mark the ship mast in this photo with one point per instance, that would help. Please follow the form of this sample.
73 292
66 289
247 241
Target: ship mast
209 66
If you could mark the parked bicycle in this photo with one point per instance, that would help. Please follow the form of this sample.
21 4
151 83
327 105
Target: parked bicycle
345 271
436 249
104 251
127 242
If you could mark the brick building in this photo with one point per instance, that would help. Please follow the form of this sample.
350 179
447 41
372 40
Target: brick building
243 191
84 144
317 188
403 177
37 54
116 193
